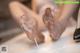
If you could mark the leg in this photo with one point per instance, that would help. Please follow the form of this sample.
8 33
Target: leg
26 19
41 7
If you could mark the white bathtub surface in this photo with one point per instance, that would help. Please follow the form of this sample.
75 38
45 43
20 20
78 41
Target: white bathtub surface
66 44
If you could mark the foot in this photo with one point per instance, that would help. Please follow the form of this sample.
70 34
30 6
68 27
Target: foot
55 27
30 26
27 20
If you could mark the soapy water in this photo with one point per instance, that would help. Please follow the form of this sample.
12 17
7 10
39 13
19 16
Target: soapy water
56 47
64 45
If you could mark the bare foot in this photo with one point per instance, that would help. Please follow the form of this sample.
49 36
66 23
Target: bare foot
30 26
55 27
25 17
